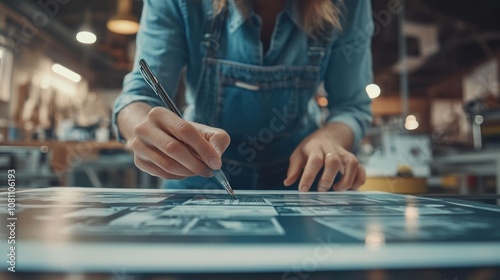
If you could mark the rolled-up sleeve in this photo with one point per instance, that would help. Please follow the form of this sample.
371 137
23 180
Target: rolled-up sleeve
350 70
161 41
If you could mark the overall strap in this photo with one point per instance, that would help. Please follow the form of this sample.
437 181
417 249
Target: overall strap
213 29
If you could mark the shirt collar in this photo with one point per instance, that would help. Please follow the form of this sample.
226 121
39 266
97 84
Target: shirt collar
236 18
292 12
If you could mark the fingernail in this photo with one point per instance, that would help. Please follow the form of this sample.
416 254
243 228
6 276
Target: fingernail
303 188
218 150
215 163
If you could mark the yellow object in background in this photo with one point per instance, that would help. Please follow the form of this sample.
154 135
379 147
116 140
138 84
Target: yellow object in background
450 181
402 185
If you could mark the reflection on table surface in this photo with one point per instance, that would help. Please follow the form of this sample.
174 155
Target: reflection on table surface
67 230
407 274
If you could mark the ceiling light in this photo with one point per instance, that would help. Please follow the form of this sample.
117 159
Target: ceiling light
124 22
411 118
373 91
411 125
86 37
66 73
411 122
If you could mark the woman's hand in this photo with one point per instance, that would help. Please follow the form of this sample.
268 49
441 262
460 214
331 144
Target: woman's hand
326 149
167 146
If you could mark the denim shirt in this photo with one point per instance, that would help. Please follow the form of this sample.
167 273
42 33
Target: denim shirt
171 38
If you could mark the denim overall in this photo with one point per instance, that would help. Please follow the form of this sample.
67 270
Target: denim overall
263 108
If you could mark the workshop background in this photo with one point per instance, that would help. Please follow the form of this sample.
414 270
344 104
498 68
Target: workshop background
435 96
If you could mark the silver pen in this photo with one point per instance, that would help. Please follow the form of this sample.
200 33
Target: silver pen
153 82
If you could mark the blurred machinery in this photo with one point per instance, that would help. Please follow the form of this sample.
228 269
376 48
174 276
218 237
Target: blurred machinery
396 161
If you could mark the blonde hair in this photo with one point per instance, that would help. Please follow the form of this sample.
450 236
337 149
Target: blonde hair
316 16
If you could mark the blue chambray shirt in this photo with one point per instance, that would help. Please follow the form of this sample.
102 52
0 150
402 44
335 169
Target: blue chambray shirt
172 30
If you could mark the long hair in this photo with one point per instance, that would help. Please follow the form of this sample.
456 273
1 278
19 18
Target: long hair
316 16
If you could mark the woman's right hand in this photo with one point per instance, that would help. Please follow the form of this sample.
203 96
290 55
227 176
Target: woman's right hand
170 147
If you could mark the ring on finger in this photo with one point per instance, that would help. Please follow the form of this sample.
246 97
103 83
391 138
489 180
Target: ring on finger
342 167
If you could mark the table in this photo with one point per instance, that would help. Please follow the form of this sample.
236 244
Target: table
110 163
35 171
68 158
482 163
273 234
65 155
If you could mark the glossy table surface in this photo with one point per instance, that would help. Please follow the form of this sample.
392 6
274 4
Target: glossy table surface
285 233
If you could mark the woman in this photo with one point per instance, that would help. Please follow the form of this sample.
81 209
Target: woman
252 69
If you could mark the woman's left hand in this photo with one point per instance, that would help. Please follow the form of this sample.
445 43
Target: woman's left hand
322 149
